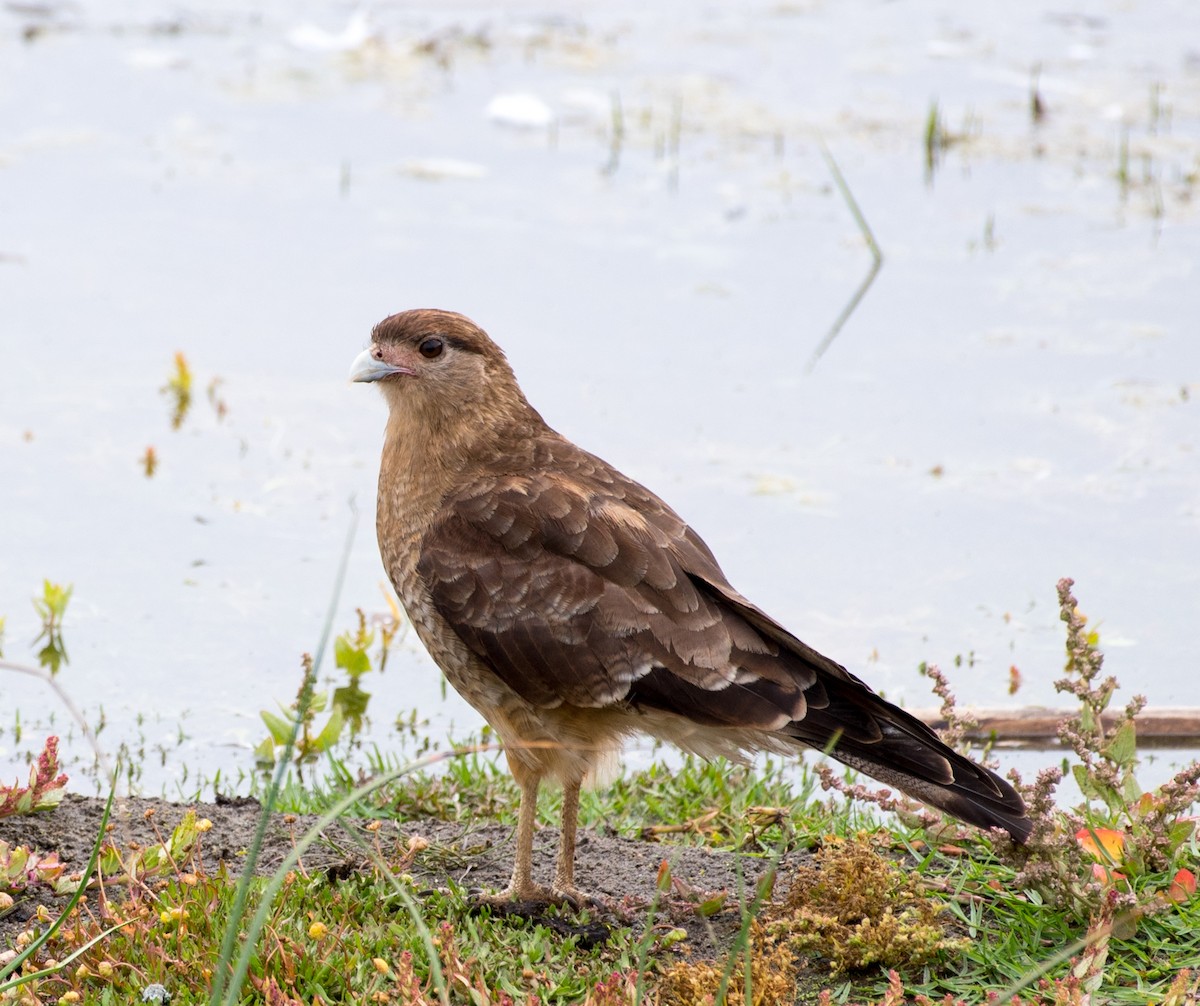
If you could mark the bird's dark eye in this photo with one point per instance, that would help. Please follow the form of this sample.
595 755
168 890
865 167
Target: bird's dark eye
431 349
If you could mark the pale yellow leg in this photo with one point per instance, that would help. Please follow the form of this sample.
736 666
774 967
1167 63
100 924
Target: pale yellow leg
522 876
564 873
521 887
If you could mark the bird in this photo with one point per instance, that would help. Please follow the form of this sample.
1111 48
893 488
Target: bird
573 608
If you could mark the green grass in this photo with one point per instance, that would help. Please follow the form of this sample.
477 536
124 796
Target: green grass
345 940
358 938
1012 936
753 805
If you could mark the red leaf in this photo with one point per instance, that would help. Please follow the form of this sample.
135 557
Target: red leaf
1183 886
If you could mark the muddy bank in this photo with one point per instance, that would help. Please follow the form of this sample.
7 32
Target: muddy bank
621 872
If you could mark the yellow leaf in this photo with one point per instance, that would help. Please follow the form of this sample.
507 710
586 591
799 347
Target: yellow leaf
1110 847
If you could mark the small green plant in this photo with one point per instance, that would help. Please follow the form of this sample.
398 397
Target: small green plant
355 652
935 138
352 654
138 864
45 789
20 866
29 962
938 137
310 742
1154 828
51 608
178 391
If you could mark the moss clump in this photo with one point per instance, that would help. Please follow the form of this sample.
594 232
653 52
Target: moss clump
772 976
857 908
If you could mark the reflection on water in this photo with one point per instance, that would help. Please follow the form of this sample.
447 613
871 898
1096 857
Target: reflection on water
647 224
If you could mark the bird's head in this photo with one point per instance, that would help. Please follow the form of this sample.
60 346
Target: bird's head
440 369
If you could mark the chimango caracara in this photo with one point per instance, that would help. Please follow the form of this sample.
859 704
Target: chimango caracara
572 607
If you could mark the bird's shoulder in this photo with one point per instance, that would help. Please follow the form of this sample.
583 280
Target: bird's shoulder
552 501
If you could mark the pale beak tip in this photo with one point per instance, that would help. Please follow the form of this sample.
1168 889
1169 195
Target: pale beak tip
366 368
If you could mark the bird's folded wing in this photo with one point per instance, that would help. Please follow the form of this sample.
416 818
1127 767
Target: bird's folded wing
591 592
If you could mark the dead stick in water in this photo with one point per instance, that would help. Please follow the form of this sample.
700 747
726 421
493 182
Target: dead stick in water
1037 726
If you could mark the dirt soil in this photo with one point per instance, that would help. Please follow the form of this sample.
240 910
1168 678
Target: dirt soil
620 872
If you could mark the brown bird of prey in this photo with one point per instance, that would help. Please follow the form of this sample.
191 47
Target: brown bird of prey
572 607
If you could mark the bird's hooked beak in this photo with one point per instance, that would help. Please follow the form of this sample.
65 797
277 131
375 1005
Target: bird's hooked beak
367 368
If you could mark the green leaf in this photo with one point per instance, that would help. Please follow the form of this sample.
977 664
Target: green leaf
66 885
151 858
48 799
1094 789
1179 832
110 861
352 700
329 734
16 861
264 754
1084 781
350 658
51 657
184 836
1122 747
280 728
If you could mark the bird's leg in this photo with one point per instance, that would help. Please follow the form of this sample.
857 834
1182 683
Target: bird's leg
564 872
521 887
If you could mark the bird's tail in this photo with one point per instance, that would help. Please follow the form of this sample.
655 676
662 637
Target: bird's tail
829 709
868 733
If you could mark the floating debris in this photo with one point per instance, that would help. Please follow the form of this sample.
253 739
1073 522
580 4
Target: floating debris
156 59
441 168
312 38
520 110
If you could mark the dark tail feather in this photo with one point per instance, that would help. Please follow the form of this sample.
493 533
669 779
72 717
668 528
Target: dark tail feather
843 716
896 748
977 795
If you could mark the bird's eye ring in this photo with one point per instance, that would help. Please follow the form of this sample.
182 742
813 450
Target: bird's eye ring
431 349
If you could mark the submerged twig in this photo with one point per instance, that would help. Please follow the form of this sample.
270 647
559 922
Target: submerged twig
876 262
74 710
618 136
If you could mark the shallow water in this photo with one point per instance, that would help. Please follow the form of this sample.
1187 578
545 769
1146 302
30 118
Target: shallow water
1013 400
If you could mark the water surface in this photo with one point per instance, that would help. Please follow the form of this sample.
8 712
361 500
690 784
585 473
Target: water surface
1014 399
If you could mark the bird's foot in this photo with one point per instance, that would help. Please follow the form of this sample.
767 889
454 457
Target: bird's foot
535 895
573 896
